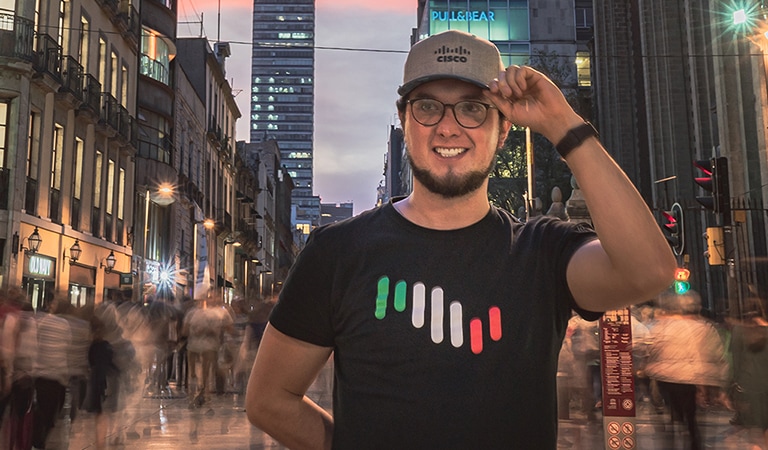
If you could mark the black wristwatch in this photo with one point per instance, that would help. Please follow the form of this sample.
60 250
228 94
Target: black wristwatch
575 137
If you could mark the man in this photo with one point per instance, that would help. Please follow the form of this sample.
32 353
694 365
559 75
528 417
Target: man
445 315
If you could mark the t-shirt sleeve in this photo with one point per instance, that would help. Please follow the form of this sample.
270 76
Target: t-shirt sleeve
581 235
564 239
303 310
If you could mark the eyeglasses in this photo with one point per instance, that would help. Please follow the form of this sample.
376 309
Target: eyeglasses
469 114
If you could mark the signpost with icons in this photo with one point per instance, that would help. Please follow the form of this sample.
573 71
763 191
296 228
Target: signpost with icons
618 380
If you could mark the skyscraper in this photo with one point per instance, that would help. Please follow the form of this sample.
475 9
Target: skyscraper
282 94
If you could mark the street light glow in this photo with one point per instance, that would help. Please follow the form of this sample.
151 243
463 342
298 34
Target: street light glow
739 17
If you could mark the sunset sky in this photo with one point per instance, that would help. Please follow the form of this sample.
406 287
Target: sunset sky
355 91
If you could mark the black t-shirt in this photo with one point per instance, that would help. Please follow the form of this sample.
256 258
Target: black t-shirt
441 339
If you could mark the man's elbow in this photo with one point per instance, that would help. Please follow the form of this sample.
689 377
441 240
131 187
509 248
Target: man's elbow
256 409
654 279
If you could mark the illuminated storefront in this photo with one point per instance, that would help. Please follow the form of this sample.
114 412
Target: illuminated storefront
505 22
39 279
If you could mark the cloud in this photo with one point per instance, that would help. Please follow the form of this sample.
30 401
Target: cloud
355 92
355 89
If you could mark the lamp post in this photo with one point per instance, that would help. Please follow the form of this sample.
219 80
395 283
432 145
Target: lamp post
74 252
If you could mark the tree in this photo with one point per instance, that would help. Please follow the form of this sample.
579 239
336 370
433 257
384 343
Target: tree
508 182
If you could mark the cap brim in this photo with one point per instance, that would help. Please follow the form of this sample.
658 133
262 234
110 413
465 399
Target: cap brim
413 84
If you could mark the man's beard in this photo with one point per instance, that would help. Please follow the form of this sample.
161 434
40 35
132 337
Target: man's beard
451 185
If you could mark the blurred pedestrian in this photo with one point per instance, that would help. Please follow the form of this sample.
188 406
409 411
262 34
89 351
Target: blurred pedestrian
204 328
10 306
257 317
749 349
77 358
685 356
21 415
113 370
585 345
51 374
438 306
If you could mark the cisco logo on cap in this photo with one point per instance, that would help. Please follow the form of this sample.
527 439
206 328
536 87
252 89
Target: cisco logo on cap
457 54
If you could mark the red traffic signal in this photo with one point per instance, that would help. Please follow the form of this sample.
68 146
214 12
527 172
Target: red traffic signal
673 228
706 182
714 181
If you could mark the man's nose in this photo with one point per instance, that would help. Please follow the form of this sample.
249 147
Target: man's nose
448 125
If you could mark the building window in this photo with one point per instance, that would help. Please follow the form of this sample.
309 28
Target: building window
33 155
85 42
97 181
63 27
110 185
4 119
584 17
77 164
583 69
56 154
155 56
114 85
120 193
77 177
124 86
102 65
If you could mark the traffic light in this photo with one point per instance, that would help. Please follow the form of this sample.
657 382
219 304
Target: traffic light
715 181
681 280
673 228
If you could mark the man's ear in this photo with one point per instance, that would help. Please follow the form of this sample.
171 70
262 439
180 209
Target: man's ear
504 126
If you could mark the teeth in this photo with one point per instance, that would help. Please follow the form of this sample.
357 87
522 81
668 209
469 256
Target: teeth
449 152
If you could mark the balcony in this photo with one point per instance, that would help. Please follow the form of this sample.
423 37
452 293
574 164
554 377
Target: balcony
91 95
154 69
110 111
154 151
72 78
48 57
17 36
124 124
190 189
110 6
214 133
128 20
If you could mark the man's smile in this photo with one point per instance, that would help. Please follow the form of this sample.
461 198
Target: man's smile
449 152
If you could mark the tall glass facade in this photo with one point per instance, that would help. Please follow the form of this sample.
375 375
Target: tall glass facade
282 84
505 22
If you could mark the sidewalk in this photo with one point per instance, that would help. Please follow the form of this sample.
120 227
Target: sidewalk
221 423
172 423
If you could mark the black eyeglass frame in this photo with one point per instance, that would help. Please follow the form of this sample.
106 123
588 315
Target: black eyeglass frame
453 108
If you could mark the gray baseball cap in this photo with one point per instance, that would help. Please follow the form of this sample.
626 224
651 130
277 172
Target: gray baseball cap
451 54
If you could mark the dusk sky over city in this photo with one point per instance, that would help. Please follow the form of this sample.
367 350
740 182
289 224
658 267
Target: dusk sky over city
361 48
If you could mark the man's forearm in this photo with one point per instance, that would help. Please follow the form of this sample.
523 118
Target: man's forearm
299 425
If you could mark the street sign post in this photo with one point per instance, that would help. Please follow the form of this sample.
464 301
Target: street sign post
618 380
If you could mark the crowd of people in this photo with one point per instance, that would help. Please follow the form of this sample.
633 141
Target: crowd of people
684 363
101 359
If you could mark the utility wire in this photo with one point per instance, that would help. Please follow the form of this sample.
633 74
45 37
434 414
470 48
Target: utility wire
374 50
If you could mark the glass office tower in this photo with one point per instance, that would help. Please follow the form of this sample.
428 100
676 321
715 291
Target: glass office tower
282 92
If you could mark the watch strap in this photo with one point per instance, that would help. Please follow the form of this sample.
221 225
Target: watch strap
575 137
